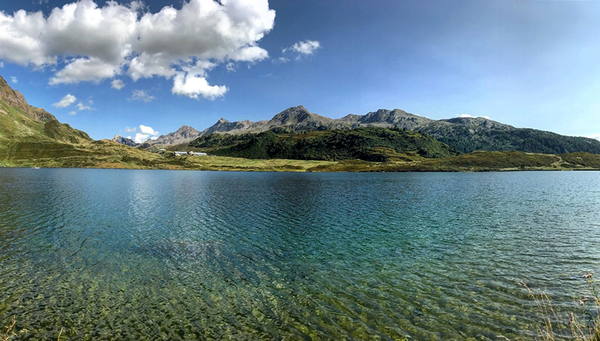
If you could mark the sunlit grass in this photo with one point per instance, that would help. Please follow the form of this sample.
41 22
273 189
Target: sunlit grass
108 154
583 325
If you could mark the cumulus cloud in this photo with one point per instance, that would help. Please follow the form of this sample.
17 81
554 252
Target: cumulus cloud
303 48
130 130
65 101
84 70
145 133
73 113
117 84
14 79
87 43
1 65
141 95
147 130
193 85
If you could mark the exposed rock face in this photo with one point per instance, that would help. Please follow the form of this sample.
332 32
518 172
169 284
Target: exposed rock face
185 134
123 140
26 122
300 119
465 134
224 126
16 99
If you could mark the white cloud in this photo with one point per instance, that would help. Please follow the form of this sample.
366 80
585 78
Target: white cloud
141 95
470 116
65 101
139 137
1 65
130 130
14 79
249 54
84 69
147 130
73 113
82 107
303 48
193 85
87 43
117 84
145 133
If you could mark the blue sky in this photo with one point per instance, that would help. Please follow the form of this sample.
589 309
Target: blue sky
525 63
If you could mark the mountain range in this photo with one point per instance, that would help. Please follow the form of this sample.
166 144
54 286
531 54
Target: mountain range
384 140
464 134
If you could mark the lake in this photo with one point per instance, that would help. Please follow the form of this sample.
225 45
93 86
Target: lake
127 254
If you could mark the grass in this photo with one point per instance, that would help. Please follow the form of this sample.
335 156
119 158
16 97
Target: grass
108 154
582 326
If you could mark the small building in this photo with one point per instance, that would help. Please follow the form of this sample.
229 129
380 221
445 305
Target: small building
198 154
181 153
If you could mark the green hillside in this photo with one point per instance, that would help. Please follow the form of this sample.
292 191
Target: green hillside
368 144
24 137
466 139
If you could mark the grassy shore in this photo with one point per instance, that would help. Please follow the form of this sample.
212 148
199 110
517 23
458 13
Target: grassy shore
107 154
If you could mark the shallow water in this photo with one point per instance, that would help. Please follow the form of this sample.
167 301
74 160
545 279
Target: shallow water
125 254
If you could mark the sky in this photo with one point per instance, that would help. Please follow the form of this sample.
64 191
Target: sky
145 68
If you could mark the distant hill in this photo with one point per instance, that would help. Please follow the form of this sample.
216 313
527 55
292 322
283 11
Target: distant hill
464 134
368 144
23 123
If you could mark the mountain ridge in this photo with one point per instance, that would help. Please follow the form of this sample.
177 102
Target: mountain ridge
16 99
31 137
21 121
465 134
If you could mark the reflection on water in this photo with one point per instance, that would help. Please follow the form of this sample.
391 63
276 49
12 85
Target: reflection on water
105 254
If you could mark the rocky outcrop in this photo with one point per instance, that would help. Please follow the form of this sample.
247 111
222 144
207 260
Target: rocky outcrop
126 141
185 134
465 134
16 99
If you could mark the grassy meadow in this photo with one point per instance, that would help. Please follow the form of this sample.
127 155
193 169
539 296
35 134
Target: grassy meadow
109 154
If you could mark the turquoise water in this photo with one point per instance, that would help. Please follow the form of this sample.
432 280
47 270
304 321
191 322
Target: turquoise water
124 254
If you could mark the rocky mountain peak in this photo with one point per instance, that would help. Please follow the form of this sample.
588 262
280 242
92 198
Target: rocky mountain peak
123 140
187 131
297 115
10 96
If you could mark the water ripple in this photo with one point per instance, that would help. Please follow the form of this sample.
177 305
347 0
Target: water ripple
111 254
